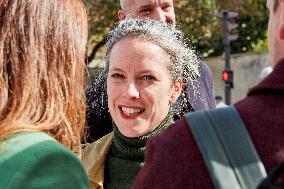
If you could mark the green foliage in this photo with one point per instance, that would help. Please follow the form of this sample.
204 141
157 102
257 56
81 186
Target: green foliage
205 30
252 29
197 18
102 18
259 46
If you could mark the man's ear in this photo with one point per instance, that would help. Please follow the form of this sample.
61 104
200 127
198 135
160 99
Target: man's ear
121 14
176 90
281 27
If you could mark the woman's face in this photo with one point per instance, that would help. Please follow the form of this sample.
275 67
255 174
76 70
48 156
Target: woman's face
139 86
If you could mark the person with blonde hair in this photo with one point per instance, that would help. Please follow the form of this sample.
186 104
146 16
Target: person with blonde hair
42 83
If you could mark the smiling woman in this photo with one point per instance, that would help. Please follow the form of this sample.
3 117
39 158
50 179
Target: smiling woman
139 92
147 62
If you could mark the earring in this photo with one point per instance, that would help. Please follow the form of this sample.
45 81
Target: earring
171 102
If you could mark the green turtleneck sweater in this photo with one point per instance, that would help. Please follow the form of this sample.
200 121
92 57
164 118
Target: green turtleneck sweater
127 157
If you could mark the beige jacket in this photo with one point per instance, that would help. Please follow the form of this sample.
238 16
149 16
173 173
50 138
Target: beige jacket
94 157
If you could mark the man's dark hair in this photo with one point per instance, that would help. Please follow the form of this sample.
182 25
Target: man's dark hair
218 98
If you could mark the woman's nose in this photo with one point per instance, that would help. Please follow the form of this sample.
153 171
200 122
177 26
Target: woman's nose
132 91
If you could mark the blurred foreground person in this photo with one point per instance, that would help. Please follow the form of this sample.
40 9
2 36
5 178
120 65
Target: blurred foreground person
195 96
42 103
145 64
173 158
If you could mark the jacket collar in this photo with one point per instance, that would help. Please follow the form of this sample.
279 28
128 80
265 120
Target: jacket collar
273 83
94 157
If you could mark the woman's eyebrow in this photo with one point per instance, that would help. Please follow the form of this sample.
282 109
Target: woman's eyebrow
114 69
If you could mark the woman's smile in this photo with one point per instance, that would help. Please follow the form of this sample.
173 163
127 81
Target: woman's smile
130 112
139 86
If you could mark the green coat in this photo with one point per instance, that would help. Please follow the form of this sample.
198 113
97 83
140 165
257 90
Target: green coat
30 160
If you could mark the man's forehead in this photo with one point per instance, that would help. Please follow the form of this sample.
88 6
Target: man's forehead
139 3
272 5
268 4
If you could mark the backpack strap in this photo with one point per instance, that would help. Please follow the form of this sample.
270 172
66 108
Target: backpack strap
226 147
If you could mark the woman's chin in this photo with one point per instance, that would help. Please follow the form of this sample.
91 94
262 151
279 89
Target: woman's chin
133 133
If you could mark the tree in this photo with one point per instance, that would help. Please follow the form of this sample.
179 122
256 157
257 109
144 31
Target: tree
199 22
102 18
196 18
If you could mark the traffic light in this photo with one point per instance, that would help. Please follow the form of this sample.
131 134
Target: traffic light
229 28
228 35
229 32
228 77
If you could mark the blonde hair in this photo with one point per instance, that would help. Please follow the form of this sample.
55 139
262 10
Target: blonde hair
42 82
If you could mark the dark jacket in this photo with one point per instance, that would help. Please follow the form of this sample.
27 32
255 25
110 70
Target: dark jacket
99 122
174 161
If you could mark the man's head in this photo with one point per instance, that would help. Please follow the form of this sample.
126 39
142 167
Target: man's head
154 9
218 99
276 30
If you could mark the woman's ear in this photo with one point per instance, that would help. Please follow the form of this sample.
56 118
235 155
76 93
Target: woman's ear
281 27
176 90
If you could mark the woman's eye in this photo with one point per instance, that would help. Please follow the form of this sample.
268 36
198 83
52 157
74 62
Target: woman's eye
148 77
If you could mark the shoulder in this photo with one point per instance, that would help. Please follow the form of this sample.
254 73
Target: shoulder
170 143
204 68
94 157
36 158
37 143
22 142
98 145
205 73
177 144
96 151
179 131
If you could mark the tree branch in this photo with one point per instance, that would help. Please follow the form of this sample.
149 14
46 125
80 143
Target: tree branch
96 48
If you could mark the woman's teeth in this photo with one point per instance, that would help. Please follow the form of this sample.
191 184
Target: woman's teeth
131 111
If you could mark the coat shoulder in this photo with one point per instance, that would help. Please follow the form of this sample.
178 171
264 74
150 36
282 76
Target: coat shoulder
99 147
94 157
36 158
